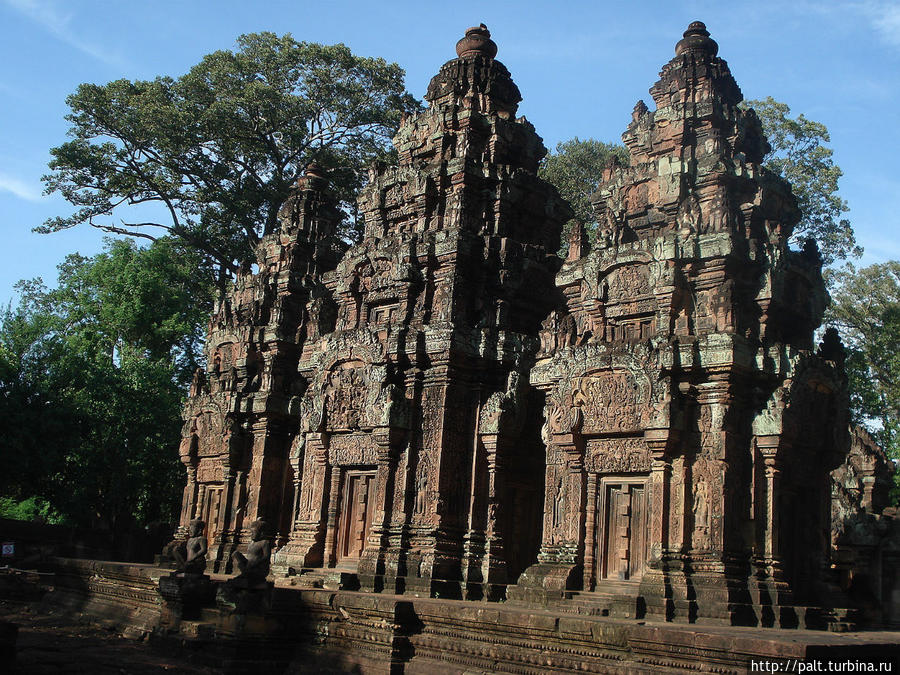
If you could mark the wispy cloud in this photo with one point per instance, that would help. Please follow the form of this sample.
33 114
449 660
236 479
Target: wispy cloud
884 15
58 23
19 188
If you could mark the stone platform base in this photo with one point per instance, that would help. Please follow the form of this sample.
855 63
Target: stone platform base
322 630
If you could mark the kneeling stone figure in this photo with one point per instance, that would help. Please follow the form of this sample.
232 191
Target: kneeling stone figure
254 566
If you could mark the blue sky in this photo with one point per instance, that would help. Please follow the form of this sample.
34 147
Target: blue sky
580 66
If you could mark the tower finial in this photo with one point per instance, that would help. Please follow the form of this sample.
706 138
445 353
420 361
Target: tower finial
313 177
477 42
696 39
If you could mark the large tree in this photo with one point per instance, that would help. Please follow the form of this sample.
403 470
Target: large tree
92 379
93 373
800 154
865 309
217 150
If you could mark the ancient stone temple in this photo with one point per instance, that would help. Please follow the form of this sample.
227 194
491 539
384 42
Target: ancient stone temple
450 408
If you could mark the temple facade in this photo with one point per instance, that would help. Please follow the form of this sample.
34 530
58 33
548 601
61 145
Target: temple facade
642 427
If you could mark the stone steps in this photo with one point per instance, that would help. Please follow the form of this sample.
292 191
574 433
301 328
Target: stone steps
626 603
197 629
620 601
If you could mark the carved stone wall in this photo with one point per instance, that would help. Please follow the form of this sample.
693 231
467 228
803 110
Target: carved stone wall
865 530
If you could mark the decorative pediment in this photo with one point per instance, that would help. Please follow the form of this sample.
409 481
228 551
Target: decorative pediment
625 283
346 393
608 392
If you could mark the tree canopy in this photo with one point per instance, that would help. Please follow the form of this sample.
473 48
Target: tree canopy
92 379
576 169
800 155
865 309
218 149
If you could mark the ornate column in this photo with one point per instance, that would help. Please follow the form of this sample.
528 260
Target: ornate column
371 567
573 552
331 525
561 551
197 511
663 585
589 534
563 505
238 512
678 485
305 544
659 441
770 448
720 477
296 462
474 537
484 564
226 517
189 501
256 498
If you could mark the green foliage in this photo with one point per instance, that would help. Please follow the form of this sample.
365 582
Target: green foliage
33 508
220 147
92 376
865 309
576 169
129 302
799 155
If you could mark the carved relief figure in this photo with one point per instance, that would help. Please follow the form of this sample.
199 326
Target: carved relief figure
701 514
422 486
688 218
559 500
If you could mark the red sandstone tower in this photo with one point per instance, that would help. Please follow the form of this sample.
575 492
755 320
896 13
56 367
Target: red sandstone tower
690 427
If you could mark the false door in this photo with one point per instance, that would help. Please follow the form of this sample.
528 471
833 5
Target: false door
624 523
212 512
357 507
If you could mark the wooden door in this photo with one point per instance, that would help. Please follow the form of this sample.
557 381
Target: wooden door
357 507
211 513
623 538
